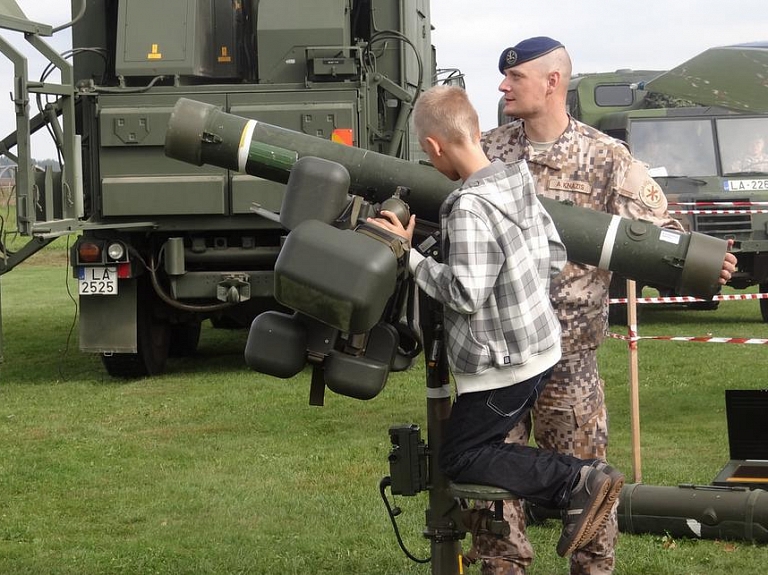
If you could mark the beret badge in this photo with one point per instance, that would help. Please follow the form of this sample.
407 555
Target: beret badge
526 51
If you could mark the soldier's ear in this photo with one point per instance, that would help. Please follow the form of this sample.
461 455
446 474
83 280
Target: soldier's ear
553 80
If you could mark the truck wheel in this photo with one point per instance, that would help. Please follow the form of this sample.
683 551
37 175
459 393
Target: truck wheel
704 305
227 322
764 303
184 339
152 342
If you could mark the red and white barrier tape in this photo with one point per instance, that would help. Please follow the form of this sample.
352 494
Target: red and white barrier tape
715 212
688 299
738 204
632 338
702 339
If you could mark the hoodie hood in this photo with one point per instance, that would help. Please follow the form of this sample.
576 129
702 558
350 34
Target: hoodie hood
507 187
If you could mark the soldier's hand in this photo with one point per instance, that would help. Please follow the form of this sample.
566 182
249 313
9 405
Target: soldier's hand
729 265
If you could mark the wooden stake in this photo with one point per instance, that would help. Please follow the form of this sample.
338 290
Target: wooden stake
634 383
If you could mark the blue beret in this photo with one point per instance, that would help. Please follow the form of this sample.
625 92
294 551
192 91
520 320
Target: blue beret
526 50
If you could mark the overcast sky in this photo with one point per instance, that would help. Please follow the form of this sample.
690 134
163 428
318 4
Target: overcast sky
601 35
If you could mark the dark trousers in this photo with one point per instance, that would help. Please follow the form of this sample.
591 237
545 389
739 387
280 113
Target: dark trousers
474 450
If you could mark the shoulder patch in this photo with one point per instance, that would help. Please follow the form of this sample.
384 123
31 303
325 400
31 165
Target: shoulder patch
652 196
639 185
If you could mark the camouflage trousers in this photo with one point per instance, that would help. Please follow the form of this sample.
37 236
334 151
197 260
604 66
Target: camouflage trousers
569 417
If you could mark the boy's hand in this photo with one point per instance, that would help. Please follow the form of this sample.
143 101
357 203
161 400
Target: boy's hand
388 220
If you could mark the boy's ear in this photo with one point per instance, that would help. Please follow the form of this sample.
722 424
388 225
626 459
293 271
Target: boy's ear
434 146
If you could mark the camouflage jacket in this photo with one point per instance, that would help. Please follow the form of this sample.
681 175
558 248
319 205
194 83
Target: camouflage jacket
592 170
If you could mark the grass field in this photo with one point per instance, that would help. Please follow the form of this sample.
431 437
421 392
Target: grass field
212 468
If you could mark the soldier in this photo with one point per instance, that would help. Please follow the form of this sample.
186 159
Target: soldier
569 161
500 249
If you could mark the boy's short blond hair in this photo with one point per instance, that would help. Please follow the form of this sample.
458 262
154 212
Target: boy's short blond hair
445 113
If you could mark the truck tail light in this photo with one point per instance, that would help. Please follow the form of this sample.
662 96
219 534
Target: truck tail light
115 251
123 270
89 252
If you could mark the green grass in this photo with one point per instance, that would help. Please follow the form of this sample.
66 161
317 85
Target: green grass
212 468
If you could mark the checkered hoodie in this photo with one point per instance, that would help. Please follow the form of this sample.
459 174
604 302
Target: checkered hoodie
500 249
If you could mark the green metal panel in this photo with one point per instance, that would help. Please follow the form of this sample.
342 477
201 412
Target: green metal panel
154 38
134 126
283 38
137 179
198 38
419 30
163 195
313 112
250 190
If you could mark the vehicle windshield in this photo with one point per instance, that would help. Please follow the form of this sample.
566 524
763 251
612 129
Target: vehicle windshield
743 145
675 147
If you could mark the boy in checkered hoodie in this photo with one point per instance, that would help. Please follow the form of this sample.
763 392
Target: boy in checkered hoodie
500 249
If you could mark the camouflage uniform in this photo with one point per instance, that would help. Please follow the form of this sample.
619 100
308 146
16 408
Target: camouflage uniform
596 171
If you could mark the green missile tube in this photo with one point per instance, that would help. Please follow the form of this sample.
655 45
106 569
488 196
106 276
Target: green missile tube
200 133
695 511
690 511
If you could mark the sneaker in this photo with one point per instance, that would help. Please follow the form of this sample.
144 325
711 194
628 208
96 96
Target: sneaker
602 514
581 515
606 507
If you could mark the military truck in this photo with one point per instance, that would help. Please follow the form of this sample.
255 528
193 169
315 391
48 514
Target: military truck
708 160
345 70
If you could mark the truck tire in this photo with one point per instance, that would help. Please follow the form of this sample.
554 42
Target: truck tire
184 339
704 305
764 303
153 336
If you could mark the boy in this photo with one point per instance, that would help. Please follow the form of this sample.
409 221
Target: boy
502 337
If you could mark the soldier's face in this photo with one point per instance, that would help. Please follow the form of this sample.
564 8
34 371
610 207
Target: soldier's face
524 88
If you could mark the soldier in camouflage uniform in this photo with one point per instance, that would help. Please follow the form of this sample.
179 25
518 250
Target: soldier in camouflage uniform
569 161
